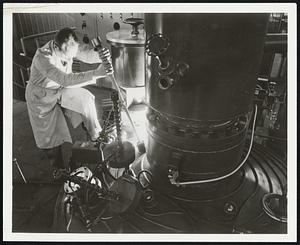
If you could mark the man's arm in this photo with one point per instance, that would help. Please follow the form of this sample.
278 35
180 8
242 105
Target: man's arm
43 63
87 54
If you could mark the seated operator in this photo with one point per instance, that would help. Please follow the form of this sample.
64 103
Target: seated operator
53 89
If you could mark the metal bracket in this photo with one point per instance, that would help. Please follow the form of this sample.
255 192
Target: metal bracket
173 176
173 168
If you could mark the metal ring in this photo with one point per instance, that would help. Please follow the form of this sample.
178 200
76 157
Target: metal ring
165 82
161 50
139 175
269 211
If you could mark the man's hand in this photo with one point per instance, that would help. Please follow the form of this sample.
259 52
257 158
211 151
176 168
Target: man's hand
103 70
105 55
106 67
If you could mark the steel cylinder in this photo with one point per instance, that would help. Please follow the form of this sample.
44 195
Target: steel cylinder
128 57
201 71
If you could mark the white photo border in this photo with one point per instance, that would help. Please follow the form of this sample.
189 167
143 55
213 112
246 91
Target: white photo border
289 8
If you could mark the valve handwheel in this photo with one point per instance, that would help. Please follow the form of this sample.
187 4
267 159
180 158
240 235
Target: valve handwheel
135 22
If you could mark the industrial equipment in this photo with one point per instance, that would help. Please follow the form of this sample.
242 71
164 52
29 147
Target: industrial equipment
202 172
98 46
128 59
127 49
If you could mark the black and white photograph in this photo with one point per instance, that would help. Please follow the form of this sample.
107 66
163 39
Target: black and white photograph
149 122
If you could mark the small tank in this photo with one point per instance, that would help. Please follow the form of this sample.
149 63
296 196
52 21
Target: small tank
127 52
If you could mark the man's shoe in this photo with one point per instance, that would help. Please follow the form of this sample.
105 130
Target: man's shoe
57 174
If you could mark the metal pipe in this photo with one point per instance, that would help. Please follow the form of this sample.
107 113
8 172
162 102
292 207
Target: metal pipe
20 171
20 66
37 43
18 85
23 77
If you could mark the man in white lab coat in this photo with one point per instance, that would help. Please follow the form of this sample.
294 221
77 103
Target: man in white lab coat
54 90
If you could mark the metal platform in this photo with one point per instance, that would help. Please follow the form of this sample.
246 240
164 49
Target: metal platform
233 205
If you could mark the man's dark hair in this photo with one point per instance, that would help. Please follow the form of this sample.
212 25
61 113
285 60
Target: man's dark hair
63 35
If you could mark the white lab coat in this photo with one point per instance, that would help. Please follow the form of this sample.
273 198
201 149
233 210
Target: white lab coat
52 86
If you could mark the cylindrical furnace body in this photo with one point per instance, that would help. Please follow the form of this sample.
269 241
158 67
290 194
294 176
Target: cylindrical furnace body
201 71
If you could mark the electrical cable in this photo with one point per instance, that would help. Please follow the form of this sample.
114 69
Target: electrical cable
235 170
221 177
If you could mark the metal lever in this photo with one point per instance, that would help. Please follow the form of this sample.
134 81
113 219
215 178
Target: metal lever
98 47
20 171
117 114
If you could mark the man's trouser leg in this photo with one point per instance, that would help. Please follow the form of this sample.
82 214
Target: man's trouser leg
80 100
55 157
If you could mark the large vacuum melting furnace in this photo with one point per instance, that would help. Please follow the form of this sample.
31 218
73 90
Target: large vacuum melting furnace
201 72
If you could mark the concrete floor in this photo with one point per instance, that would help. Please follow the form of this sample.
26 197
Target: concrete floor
33 202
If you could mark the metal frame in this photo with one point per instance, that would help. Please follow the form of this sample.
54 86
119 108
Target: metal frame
35 38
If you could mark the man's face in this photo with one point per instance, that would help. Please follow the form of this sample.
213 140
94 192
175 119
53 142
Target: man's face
70 48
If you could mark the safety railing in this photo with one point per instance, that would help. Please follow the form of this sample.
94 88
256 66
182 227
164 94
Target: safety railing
36 37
